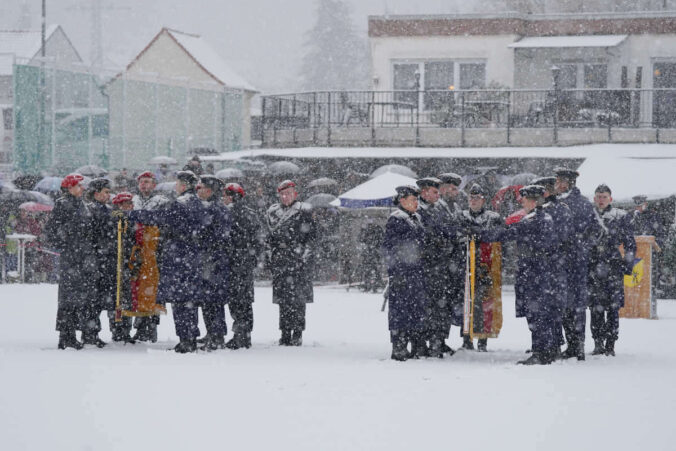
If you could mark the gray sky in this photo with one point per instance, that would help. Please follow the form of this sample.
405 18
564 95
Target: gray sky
262 39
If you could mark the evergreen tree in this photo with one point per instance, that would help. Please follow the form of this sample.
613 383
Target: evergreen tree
336 56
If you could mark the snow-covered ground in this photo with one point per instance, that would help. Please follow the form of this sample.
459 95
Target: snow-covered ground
339 391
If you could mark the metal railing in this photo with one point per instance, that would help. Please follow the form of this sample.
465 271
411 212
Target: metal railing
469 109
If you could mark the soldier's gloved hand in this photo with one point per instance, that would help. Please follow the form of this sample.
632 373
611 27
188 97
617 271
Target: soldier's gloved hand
629 263
473 230
118 214
307 255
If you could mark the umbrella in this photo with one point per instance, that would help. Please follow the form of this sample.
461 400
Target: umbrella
523 178
35 207
321 200
21 196
166 186
91 171
250 165
27 181
395 168
283 168
49 185
6 187
162 159
322 181
229 173
376 192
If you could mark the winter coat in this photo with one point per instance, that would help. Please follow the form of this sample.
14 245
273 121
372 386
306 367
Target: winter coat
535 238
607 266
68 231
584 232
403 249
181 226
562 218
244 247
291 234
104 242
214 244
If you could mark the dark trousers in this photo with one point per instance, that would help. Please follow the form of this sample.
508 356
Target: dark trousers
574 322
542 329
120 328
557 320
68 318
605 323
242 316
146 322
91 319
214 318
292 316
185 320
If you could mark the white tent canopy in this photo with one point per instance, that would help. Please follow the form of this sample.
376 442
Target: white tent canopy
627 177
377 192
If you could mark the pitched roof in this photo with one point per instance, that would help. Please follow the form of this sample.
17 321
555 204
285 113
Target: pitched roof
24 44
204 56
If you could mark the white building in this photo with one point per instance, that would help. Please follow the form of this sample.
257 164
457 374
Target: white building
593 50
176 96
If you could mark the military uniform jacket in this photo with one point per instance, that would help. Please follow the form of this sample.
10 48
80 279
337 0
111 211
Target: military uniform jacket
69 232
291 234
104 242
403 248
535 237
181 224
607 266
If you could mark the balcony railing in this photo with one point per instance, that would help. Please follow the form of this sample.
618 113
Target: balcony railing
327 112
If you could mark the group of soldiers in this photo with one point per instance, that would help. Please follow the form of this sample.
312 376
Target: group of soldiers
568 259
198 250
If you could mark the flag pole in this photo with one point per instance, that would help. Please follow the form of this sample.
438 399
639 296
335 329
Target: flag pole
472 284
118 310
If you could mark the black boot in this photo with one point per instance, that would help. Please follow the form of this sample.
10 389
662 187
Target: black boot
435 349
598 347
580 351
446 349
467 343
68 340
418 347
286 338
92 338
186 345
571 350
482 344
399 351
213 342
296 338
536 358
202 340
610 347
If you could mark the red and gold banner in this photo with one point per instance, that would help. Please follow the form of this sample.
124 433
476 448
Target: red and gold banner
483 291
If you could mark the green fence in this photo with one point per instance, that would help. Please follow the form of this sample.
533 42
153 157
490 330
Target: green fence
69 118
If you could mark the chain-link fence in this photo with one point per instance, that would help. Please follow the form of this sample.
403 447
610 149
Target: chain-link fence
69 117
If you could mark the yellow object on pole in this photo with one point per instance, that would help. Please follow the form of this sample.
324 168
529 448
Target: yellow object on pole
639 297
118 309
470 281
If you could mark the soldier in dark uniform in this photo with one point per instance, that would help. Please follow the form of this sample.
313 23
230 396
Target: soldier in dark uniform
290 241
403 251
104 236
215 242
585 230
606 271
245 246
562 218
646 222
441 234
68 231
181 224
479 217
533 236
452 201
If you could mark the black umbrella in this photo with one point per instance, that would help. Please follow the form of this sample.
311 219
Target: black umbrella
27 181
283 168
322 181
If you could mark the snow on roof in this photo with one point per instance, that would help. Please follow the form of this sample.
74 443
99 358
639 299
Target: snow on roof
569 41
24 44
582 151
210 60
629 176
377 192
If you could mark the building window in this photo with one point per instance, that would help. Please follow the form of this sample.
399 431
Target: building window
404 80
7 118
435 76
595 76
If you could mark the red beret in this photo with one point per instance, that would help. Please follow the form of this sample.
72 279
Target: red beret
122 197
71 180
234 188
285 184
146 174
